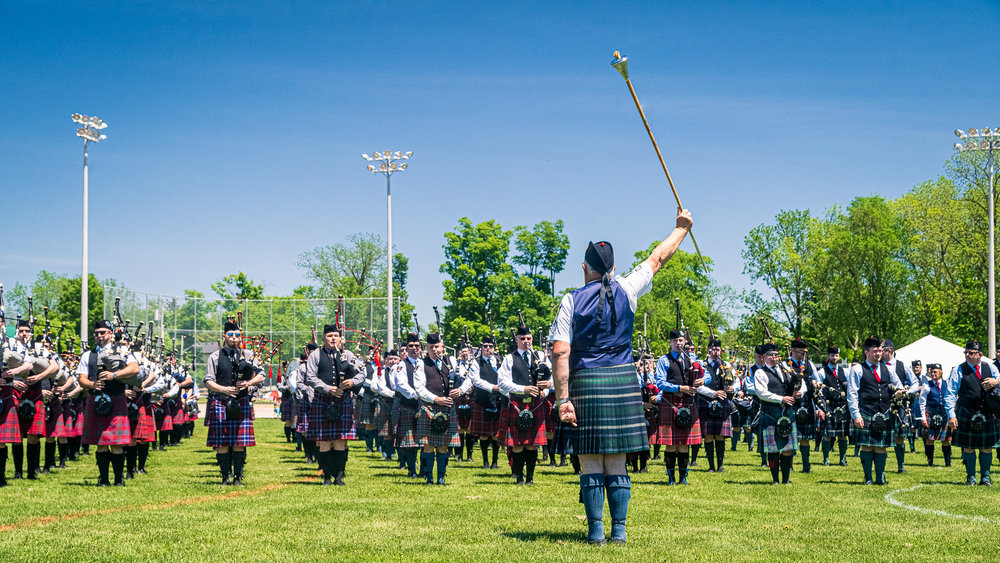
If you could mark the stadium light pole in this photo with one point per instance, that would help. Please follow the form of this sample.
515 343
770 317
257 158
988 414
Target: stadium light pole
986 140
89 130
388 164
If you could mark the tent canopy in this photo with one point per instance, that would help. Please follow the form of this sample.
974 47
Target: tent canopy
933 350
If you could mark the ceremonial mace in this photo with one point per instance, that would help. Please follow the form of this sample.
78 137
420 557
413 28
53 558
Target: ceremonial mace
621 65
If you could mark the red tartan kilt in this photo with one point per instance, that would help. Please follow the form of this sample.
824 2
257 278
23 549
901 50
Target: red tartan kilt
145 428
481 425
534 436
178 414
226 433
53 423
10 426
670 434
464 416
65 425
80 409
166 423
110 430
37 424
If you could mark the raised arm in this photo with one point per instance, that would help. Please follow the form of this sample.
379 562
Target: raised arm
666 249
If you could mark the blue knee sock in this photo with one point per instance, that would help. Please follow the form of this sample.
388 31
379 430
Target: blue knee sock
900 454
442 461
619 492
866 464
970 463
985 462
592 494
427 465
880 465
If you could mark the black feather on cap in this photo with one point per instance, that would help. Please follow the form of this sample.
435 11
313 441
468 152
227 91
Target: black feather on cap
103 323
676 334
974 345
411 337
799 344
600 256
487 340
523 331
434 338
833 350
230 326
871 342
327 329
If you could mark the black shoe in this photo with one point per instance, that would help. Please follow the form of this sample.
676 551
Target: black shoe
720 470
17 475
901 470
693 464
869 482
644 470
130 475
970 480
986 482
141 471
786 482
493 466
486 466
103 484
339 479
237 481
520 481
775 482
552 463
226 482
843 463
119 483
529 481
883 481
327 481
45 471
806 471
826 462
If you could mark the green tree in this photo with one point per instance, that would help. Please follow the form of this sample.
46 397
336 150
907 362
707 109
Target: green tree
354 269
238 286
544 248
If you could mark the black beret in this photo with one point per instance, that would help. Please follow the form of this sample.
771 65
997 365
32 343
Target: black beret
713 342
675 333
974 345
768 348
26 324
328 328
411 338
311 346
392 352
487 340
915 363
523 331
833 350
799 344
933 366
600 256
103 323
871 342
759 350
433 338
886 343
230 326
464 345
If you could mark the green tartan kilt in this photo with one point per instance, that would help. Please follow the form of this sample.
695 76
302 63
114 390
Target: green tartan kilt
964 437
864 436
609 414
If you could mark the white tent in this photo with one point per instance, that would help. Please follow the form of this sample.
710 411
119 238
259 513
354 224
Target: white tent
932 350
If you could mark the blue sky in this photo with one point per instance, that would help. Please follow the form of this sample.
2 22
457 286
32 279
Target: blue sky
236 129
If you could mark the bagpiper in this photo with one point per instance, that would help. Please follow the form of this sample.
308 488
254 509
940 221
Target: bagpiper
778 392
486 401
870 389
715 405
934 416
905 429
437 418
678 378
837 425
527 379
972 400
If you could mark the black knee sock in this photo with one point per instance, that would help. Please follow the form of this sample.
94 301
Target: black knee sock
143 454
18 457
720 454
710 455
50 455
3 466
496 450
225 462
946 454
470 445
694 453
131 456
163 439
460 450
786 467
63 452
239 459
530 458
929 452
670 460
34 452
103 462
518 466
643 460
656 451
574 460
772 464
484 448
74 448
118 466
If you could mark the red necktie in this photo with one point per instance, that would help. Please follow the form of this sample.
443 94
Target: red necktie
978 374
939 386
875 373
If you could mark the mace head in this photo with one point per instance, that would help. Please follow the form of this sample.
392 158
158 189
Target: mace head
621 64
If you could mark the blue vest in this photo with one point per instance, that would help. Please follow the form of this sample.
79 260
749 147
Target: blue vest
935 399
597 345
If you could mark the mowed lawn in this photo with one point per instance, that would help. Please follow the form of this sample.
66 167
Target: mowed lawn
179 512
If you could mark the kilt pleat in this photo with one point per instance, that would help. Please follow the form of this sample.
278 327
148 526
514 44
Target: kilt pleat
10 426
367 414
715 426
532 436
322 429
166 422
109 430
145 427
446 439
841 428
404 421
481 424
942 434
771 442
964 437
865 437
463 406
608 405
383 417
287 407
228 433
37 424
670 433
302 419
178 414
53 419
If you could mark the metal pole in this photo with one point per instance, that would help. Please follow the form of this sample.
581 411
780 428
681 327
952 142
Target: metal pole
993 288
388 207
83 279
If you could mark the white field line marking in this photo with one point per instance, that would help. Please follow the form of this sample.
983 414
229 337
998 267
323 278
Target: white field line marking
891 499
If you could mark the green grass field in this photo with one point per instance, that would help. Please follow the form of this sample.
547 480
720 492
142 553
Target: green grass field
179 512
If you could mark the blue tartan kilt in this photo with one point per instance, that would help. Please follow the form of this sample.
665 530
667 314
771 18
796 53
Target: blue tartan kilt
425 437
770 441
321 429
842 427
864 436
404 422
227 433
302 410
964 437
710 426
942 434
383 416
609 415
287 407
366 415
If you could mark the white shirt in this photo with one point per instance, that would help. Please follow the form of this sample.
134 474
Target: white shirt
635 283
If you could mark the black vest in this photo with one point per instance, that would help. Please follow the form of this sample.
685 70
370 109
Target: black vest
716 383
489 375
970 390
836 383
436 381
677 369
774 383
520 371
225 371
807 376
901 374
873 396
113 387
328 369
